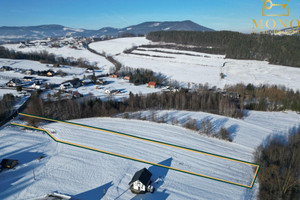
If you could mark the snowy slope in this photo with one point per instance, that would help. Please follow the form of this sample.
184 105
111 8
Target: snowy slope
117 46
86 174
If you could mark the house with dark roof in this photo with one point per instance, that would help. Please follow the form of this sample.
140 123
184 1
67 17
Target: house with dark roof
6 68
8 163
141 182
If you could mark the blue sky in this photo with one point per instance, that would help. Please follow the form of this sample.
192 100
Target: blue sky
234 15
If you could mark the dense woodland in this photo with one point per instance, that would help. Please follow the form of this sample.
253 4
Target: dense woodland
266 98
44 57
6 106
279 176
283 50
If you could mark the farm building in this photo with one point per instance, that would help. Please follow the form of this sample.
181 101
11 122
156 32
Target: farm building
8 163
140 182
152 84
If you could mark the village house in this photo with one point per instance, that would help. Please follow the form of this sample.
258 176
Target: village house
6 68
113 76
35 86
141 183
127 78
65 86
87 82
14 82
43 43
29 72
152 84
27 79
89 70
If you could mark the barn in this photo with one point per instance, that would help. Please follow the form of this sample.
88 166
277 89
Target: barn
140 182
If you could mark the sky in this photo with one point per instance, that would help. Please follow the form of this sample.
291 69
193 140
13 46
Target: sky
236 15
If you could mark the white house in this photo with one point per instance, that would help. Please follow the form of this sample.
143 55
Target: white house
140 182
108 91
66 85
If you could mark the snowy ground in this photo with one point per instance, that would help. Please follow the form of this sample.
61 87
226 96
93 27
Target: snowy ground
116 84
85 174
7 91
117 46
66 52
200 67
196 68
37 66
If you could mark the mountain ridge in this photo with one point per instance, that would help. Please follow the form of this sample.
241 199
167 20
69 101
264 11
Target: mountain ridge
19 33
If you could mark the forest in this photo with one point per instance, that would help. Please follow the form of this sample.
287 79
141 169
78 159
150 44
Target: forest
281 50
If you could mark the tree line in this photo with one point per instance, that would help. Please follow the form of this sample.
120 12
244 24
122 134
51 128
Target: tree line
142 76
6 106
182 100
45 57
279 176
282 50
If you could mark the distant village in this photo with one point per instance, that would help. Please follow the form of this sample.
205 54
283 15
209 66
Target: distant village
75 43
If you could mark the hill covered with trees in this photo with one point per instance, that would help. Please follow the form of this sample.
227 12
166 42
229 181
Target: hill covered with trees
281 50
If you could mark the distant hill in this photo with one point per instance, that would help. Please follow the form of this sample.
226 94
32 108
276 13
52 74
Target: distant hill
8 33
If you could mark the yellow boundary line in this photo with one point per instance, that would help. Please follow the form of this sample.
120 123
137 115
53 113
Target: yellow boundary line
157 142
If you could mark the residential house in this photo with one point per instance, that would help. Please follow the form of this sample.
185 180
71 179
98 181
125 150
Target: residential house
127 78
113 76
89 70
29 72
152 84
108 91
14 82
27 79
140 182
50 73
65 86
87 82
6 68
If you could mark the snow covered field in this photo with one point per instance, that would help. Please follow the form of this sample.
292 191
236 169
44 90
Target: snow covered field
117 46
201 68
86 174
66 52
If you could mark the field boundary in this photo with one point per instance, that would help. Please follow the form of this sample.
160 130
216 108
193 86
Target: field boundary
257 166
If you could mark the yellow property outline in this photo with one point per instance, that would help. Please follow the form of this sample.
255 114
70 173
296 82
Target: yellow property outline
144 139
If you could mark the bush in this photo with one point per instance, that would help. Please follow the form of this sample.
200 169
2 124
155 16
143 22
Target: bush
224 134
